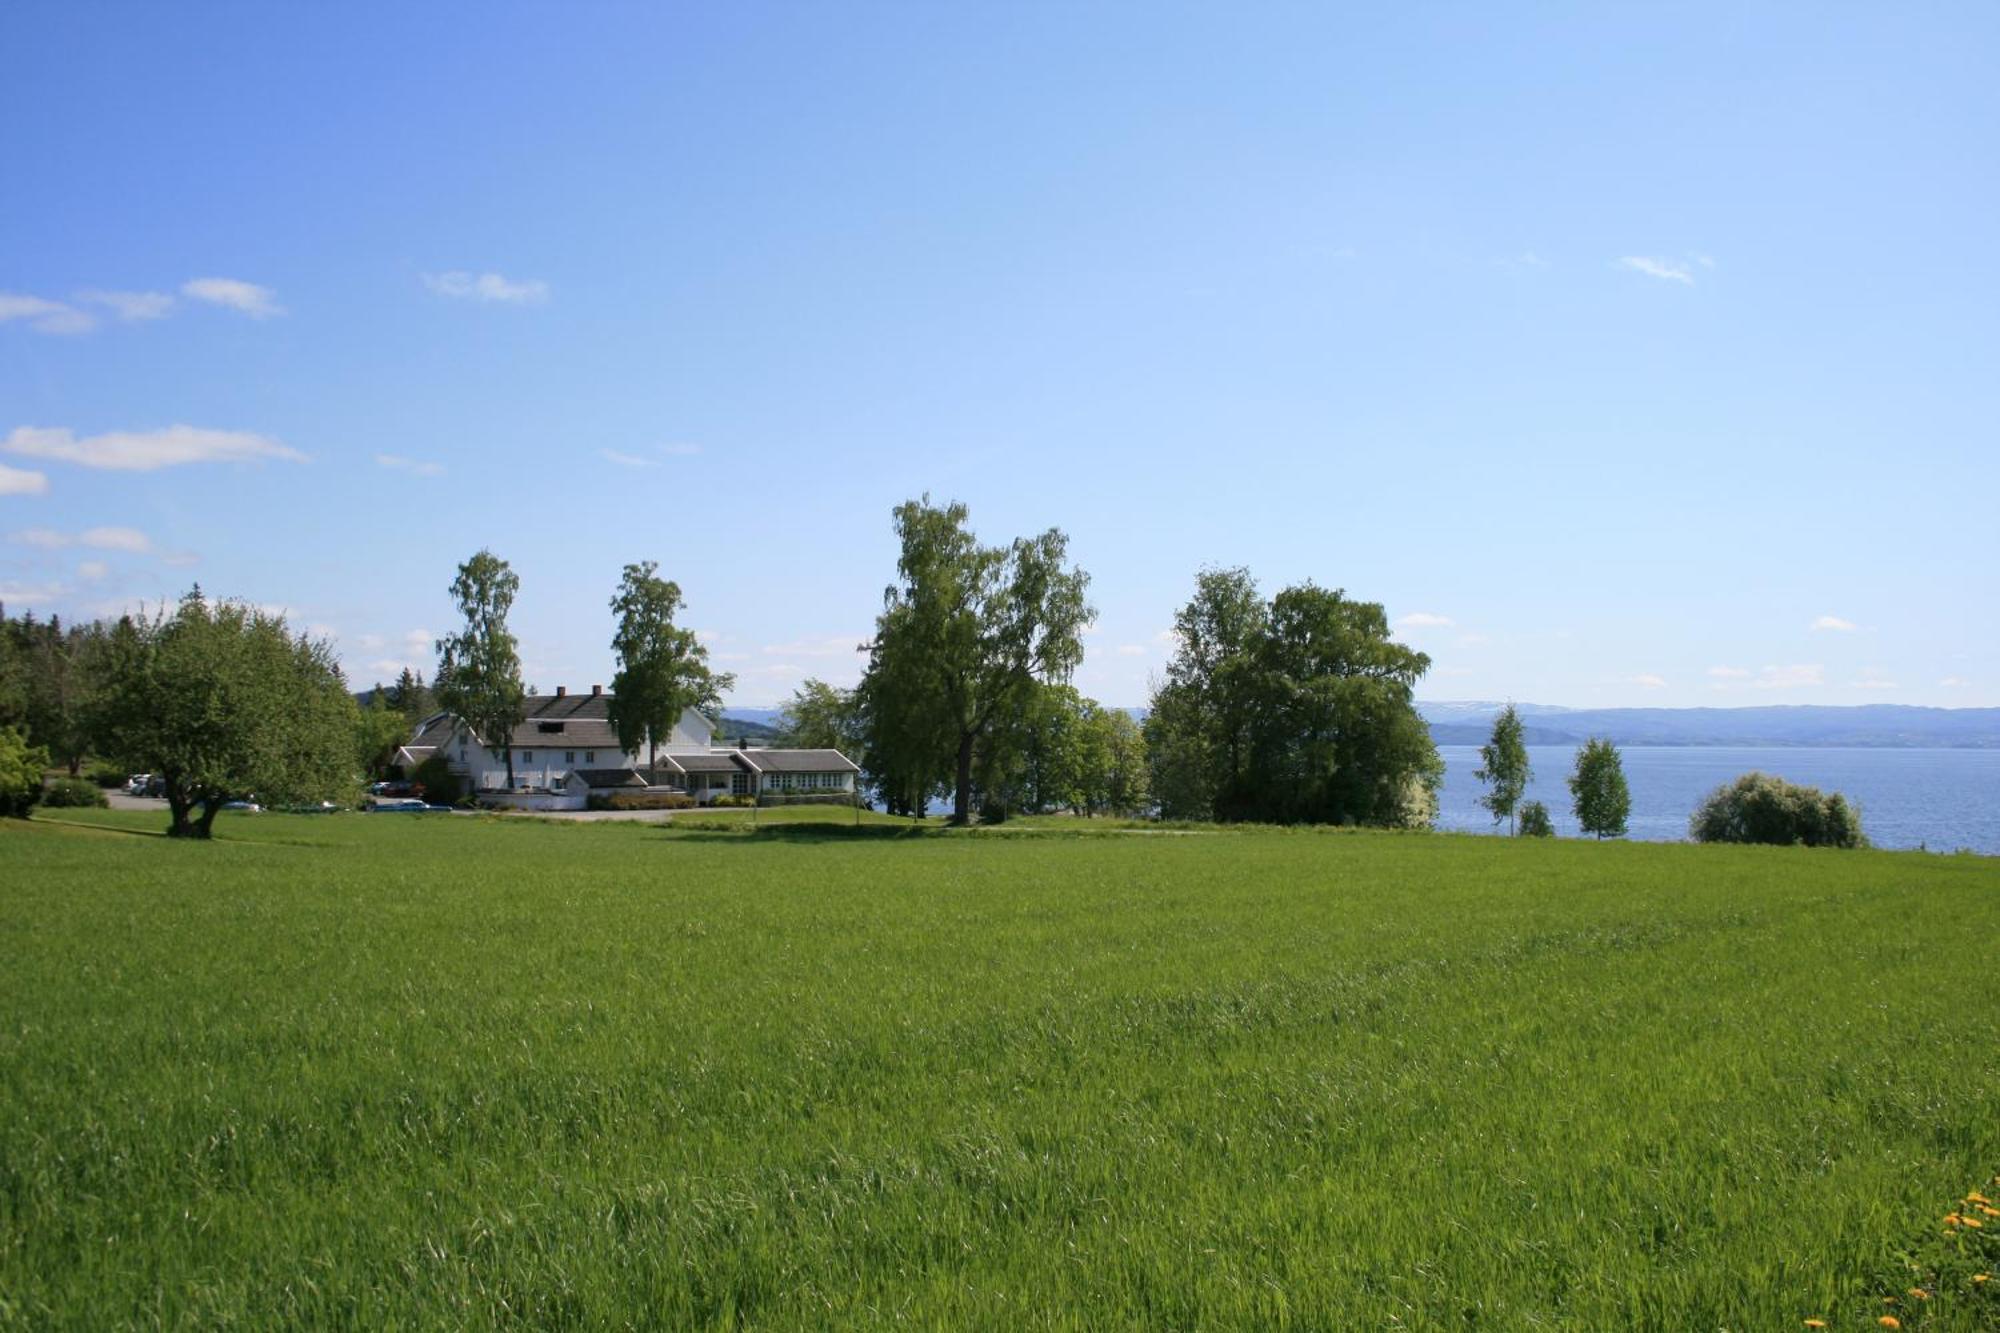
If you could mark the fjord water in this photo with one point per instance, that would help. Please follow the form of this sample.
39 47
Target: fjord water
1936 799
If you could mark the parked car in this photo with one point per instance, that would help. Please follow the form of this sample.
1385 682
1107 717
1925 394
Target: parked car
136 784
404 805
243 807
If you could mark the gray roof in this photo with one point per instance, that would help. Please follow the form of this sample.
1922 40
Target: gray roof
715 761
801 761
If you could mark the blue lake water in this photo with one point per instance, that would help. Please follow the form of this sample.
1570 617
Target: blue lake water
1939 799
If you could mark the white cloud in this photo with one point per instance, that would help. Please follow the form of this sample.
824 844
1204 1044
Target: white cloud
20 481
626 460
132 307
1667 270
1473 640
1423 620
45 316
29 594
1529 259
245 297
98 539
1836 624
145 451
1954 683
92 570
1131 650
1729 673
181 558
836 645
462 285
1649 681
1875 683
1790 677
397 463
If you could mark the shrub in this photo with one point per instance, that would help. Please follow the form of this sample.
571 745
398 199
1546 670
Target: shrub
73 793
107 774
436 783
638 800
842 798
21 766
1535 821
734 802
1762 809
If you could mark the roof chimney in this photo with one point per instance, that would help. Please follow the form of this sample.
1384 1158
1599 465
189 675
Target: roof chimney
561 690
596 690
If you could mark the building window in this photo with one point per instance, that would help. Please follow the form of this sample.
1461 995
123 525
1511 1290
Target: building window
590 756
569 756
527 756
739 784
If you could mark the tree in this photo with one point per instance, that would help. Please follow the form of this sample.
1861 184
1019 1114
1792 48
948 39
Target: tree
1125 790
220 701
412 698
819 716
21 766
1597 786
478 675
379 729
963 638
1504 767
662 668
1535 821
1296 711
1762 809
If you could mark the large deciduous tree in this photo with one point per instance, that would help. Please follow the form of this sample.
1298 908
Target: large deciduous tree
1597 786
662 668
1295 711
820 716
964 636
1504 767
478 676
220 700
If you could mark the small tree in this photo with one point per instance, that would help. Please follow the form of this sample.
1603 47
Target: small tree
1504 767
479 668
1597 786
662 668
412 698
819 716
1762 809
21 766
379 729
220 700
1535 821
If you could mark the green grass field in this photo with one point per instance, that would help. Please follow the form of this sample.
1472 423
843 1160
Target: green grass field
377 1072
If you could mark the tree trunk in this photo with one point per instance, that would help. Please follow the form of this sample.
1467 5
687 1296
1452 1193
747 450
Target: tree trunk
177 806
961 801
205 828
509 751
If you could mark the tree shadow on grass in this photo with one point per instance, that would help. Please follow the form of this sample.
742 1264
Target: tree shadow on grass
803 833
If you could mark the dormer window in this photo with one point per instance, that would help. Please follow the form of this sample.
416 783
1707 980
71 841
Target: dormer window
549 728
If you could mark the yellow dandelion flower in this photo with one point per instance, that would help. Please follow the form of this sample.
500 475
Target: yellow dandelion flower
1815 1323
1989 1212
1920 1293
1977 1197
1889 1321
1982 1277
1951 1219
1972 1222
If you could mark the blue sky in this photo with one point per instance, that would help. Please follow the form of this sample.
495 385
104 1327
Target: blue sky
1627 355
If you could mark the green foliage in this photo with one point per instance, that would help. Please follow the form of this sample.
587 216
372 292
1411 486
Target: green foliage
379 730
74 794
1535 821
965 635
479 668
1597 785
220 700
412 698
105 773
46 683
819 716
1504 767
21 767
512 1073
1759 808
1300 711
637 800
439 785
662 668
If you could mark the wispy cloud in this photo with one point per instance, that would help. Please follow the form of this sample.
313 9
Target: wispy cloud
1790 677
1954 683
623 459
147 450
92 570
20 481
626 460
1834 624
1667 270
29 594
498 287
43 315
129 540
1729 673
397 463
833 645
234 294
1423 620
1131 650
1873 678
1648 681
132 307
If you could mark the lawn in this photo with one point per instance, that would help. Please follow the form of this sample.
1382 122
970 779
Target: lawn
379 1071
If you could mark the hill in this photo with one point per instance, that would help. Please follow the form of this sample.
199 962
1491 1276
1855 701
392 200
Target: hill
1862 726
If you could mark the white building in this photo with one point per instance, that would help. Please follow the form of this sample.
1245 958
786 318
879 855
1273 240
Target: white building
566 744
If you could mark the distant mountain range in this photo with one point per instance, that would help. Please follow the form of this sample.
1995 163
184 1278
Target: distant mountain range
1869 726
